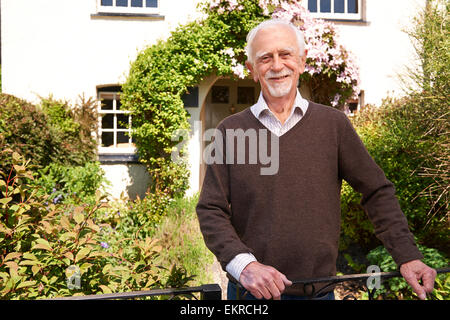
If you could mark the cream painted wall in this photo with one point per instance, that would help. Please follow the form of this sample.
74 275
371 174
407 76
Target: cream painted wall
381 47
57 47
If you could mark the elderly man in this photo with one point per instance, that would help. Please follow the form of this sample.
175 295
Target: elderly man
267 230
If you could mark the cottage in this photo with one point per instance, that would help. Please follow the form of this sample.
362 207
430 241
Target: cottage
67 48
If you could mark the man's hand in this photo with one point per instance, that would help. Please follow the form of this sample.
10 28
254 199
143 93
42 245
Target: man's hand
416 270
263 281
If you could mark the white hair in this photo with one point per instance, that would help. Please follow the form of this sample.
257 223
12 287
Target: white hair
268 23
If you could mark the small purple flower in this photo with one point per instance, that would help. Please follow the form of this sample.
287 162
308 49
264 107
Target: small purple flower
104 245
57 199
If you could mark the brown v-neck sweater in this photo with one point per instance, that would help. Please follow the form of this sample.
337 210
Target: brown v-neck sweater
291 220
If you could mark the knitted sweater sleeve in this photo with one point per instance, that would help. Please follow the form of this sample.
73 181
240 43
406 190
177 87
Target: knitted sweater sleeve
214 208
359 169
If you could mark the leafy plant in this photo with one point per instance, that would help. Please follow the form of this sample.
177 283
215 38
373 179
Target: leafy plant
43 245
394 137
71 184
51 132
397 287
72 128
24 129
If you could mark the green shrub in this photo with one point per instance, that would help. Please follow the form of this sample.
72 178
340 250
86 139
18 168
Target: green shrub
394 136
43 243
397 287
52 132
409 138
72 128
25 129
71 184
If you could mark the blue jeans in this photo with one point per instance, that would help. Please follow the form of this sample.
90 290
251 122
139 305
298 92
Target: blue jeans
232 295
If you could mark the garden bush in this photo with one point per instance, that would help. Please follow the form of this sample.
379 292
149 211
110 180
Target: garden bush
397 288
72 128
394 137
52 132
409 139
43 243
71 184
25 129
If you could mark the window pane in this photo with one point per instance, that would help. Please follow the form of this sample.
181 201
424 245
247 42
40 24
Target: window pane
190 98
312 5
107 104
136 3
352 6
220 94
151 3
122 137
107 139
325 5
121 3
106 2
123 121
108 121
339 6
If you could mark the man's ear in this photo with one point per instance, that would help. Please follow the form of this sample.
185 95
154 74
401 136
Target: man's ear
249 66
303 62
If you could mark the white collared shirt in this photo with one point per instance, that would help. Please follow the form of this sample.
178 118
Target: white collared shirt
262 112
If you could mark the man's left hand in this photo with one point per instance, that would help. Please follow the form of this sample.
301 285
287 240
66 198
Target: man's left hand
416 270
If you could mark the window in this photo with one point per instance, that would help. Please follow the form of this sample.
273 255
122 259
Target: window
336 9
128 6
114 123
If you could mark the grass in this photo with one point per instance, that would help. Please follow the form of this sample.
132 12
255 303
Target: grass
179 235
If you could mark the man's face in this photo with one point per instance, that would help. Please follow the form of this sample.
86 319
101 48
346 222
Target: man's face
277 64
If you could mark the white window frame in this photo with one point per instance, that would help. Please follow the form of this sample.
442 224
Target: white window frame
339 16
127 10
113 149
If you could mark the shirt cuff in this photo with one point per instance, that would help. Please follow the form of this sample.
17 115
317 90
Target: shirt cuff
235 266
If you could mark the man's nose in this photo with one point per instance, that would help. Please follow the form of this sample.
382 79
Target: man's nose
277 63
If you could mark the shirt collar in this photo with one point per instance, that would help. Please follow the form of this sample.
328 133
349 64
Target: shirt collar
261 105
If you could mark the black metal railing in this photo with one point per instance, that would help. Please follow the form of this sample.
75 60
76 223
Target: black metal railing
362 279
214 292
206 291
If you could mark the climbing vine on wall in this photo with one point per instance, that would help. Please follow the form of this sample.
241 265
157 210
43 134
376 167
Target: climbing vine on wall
215 43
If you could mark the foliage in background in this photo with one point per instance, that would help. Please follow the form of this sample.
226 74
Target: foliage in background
71 128
397 288
177 231
430 36
71 184
24 129
41 241
161 74
394 136
57 139
409 139
49 133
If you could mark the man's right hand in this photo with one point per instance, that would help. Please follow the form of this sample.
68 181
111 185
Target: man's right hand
263 281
